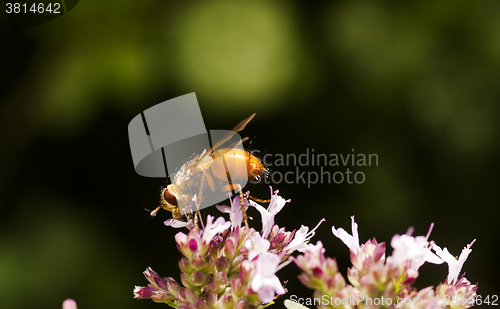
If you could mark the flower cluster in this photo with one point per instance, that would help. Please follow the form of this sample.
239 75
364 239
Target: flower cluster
226 265
380 282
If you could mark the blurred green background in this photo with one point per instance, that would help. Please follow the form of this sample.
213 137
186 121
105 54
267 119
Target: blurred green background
415 82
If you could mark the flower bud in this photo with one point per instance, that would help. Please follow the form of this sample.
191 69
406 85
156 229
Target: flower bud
242 304
353 276
190 296
143 292
209 286
185 266
274 230
309 281
181 295
229 249
199 304
198 278
182 244
154 278
247 271
288 238
237 287
197 261
237 262
161 296
411 276
317 272
277 241
194 240
211 298
186 282
330 267
221 281
193 245
172 286
225 302
209 264
222 264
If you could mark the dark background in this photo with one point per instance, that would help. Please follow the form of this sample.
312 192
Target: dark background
415 83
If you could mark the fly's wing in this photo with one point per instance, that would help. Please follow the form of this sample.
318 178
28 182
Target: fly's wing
293 305
240 126
239 143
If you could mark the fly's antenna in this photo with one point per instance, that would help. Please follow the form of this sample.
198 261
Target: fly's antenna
152 213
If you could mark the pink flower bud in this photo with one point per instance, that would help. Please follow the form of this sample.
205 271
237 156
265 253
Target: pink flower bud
222 264
197 261
155 279
229 249
411 276
237 261
193 245
225 302
182 244
199 305
181 295
172 286
317 272
209 286
143 292
211 298
221 281
161 296
242 304
185 266
198 278
330 267
190 296
237 287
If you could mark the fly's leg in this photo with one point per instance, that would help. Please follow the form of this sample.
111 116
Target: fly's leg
243 211
199 199
237 188
258 199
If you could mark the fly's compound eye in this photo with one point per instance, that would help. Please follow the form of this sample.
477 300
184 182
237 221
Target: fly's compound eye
169 197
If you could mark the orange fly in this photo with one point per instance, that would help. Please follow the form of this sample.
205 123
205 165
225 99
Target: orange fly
210 170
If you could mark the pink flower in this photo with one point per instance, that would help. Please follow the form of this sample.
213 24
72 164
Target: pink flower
369 253
314 255
178 223
213 228
264 281
454 265
414 249
235 213
256 246
302 237
351 241
277 203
